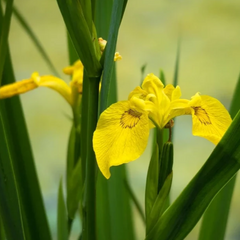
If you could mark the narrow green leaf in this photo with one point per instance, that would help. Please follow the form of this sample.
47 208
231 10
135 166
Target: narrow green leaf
215 218
159 204
34 216
221 166
103 12
81 36
87 11
117 13
151 191
73 56
166 163
35 40
62 226
175 78
10 206
143 73
162 77
4 30
73 174
75 189
2 232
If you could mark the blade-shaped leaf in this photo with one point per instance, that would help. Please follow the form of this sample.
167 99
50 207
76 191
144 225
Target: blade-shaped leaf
151 191
159 203
215 219
117 13
34 216
81 36
4 30
187 209
62 226
10 206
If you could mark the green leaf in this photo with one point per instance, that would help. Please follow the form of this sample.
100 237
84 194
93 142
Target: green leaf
62 226
73 178
10 206
160 203
73 56
4 30
2 232
75 189
159 179
166 163
221 166
143 73
35 40
82 37
151 191
21 186
215 218
117 13
175 78
162 77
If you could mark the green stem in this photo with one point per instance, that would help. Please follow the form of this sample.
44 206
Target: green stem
89 203
160 138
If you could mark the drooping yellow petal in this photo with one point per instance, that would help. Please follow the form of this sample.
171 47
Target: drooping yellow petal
54 83
121 136
17 88
210 118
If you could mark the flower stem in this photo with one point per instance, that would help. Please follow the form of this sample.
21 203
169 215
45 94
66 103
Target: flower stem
160 138
89 201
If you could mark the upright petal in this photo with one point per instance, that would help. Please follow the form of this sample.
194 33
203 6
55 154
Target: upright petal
210 118
121 136
76 70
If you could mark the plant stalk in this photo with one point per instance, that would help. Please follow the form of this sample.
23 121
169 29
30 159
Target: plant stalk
89 202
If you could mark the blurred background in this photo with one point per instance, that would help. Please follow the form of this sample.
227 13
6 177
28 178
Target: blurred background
209 64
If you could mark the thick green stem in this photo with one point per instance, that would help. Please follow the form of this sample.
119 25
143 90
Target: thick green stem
160 133
89 203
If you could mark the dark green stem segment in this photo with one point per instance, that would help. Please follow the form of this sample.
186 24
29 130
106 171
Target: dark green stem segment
91 117
159 139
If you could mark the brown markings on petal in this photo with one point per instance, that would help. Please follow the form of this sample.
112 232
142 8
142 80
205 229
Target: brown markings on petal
130 119
202 115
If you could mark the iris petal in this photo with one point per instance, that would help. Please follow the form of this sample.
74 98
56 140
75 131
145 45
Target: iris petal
210 118
17 88
121 136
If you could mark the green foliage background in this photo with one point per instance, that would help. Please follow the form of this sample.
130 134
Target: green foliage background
209 63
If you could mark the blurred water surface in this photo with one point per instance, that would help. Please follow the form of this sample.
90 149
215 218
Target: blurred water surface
209 64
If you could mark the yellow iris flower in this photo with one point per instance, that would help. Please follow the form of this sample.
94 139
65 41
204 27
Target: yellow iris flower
69 92
57 84
122 131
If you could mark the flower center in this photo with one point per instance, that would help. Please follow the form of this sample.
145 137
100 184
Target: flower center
130 119
202 115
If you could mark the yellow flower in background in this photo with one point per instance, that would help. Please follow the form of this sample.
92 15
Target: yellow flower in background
49 81
69 92
122 131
